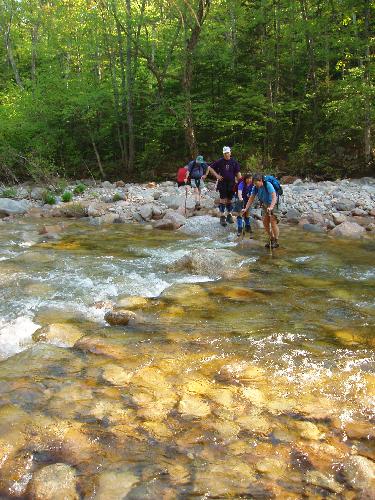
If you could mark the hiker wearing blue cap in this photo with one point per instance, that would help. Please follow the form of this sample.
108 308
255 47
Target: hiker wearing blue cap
197 170
227 172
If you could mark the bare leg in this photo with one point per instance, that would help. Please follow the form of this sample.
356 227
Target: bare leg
275 228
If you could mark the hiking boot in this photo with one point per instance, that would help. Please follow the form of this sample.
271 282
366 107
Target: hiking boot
248 229
223 222
274 244
268 245
197 206
239 232
230 219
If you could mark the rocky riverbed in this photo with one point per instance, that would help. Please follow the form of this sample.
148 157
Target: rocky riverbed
344 208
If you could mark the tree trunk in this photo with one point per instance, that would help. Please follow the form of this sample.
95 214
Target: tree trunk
129 87
96 154
9 49
367 124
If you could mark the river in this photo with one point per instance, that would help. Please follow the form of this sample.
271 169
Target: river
261 386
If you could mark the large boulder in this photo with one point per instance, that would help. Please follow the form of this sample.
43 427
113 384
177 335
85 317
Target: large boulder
348 230
12 207
210 262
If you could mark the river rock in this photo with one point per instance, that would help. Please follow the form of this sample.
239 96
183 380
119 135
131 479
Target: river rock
205 225
15 474
116 375
175 217
54 482
348 230
120 318
345 205
56 228
115 485
96 209
100 346
316 218
338 218
165 224
358 212
60 334
212 262
12 207
146 212
293 216
313 228
327 482
360 474
370 227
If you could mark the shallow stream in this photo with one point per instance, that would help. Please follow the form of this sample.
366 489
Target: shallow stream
262 386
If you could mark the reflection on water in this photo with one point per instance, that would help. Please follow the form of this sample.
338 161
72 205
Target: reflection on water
258 387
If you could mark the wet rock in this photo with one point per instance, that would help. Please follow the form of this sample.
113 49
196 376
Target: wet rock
120 317
60 334
211 262
327 482
360 430
272 467
255 424
108 218
165 224
35 212
132 302
309 431
348 230
54 482
313 228
193 406
15 474
120 184
116 375
360 474
98 345
370 227
56 228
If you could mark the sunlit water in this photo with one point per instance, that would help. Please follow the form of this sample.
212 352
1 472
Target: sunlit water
258 387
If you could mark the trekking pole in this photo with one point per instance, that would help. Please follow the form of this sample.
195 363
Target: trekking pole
186 191
270 233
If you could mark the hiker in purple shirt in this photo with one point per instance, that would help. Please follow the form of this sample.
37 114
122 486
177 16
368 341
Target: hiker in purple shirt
227 171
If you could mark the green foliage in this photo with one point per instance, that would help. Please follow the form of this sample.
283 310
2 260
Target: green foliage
79 188
67 196
48 198
60 186
9 193
289 85
117 197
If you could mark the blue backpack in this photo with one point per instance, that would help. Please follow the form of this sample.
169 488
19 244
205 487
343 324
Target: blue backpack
275 183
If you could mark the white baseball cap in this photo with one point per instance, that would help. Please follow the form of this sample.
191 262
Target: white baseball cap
226 149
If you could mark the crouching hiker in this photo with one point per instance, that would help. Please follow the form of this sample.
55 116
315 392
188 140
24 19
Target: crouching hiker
245 187
197 170
265 191
227 171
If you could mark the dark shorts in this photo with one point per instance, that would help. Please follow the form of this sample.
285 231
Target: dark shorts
225 189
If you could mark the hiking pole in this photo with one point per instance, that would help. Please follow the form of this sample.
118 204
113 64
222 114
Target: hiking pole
186 192
270 232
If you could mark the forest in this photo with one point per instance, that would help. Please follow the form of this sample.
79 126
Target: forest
133 89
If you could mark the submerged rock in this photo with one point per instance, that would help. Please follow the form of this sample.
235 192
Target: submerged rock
360 474
54 482
60 334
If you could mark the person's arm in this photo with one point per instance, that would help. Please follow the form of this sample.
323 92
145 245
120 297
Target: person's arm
238 176
273 202
210 169
249 202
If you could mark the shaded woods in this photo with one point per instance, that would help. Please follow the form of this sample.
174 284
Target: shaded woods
132 89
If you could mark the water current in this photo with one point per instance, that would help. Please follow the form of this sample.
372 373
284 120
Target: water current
260 386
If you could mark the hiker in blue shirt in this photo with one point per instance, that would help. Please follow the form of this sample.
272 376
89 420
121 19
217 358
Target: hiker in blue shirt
244 189
197 171
266 194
